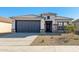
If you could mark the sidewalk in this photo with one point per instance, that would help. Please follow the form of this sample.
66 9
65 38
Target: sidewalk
39 48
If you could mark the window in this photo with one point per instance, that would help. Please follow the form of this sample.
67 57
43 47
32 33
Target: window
48 17
60 24
67 22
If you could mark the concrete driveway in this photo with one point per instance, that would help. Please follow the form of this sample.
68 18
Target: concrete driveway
19 42
17 39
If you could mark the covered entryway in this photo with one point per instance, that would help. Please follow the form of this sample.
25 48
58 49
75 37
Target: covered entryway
27 25
48 26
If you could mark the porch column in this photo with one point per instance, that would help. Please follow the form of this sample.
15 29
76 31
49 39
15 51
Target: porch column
53 26
42 26
13 26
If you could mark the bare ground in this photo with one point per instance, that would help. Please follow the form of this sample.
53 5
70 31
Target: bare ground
49 40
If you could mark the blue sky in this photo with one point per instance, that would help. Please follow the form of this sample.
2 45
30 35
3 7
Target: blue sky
61 11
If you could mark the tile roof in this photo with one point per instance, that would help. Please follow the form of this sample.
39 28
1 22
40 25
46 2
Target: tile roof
6 20
48 13
27 17
32 16
61 17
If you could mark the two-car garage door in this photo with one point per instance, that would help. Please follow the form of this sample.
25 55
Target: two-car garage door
27 25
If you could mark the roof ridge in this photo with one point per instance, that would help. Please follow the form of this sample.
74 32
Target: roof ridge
64 17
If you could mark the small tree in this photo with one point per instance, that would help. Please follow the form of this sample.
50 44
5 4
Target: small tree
69 29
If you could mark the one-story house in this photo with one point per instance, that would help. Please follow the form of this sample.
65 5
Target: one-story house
45 22
5 25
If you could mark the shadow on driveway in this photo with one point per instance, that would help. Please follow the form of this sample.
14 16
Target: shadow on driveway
17 35
23 35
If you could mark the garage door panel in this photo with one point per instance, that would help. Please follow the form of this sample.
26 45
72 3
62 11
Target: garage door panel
28 26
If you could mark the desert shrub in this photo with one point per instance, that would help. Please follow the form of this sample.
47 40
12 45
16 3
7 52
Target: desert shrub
76 38
66 41
42 41
51 37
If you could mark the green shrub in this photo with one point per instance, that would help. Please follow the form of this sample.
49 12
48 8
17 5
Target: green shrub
70 28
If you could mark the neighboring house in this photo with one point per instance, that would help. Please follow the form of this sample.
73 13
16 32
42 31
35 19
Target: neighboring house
76 23
5 25
46 22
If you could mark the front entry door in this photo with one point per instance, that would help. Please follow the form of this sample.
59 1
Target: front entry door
48 26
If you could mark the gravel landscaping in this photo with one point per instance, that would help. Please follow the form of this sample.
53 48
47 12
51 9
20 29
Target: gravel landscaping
49 40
